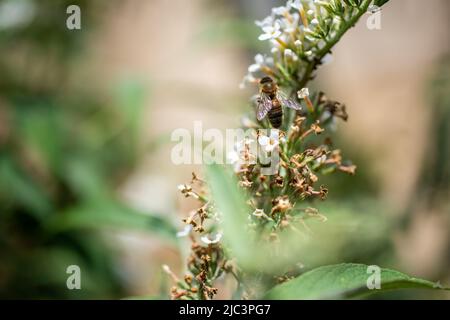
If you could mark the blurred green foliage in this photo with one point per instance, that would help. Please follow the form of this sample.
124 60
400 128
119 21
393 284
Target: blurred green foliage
63 152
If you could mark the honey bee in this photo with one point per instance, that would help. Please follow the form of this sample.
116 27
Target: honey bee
270 102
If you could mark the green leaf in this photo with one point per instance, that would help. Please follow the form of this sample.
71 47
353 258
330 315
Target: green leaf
111 214
379 3
17 186
345 280
231 204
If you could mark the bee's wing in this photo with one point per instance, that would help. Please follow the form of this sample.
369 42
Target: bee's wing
290 103
263 107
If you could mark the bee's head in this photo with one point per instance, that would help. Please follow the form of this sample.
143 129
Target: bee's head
267 84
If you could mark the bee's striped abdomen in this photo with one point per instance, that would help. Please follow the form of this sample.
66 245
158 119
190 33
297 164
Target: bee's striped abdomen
276 114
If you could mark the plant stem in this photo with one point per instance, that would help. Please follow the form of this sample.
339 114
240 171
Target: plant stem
321 53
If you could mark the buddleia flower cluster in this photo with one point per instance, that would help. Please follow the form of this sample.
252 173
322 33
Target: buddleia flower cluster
301 35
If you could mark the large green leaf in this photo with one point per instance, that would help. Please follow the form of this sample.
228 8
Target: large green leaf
345 280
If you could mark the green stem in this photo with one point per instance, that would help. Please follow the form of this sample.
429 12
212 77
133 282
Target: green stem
347 25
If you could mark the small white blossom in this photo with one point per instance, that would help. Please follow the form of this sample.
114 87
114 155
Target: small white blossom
281 11
303 93
373 8
321 159
327 59
289 54
183 233
233 157
249 78
236 157
271 142
296 4
166 268
267 21
337 20
298 43
276 44
271 32
314 22
259 213
321 44
259 62
290 25
207 239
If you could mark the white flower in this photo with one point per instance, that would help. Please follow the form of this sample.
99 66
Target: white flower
240 145
373 8
321 44
259 213
290 25
298 43
296 4
289 54
310 12
249 78
207 239
275 43
247 123
237 158
267 21
314 22
183 233
303 93
269 143
274 50
233 157
166 268
259 62
281 11
270 32
327 59
321 159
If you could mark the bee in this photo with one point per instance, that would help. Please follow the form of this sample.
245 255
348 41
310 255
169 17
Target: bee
270 102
